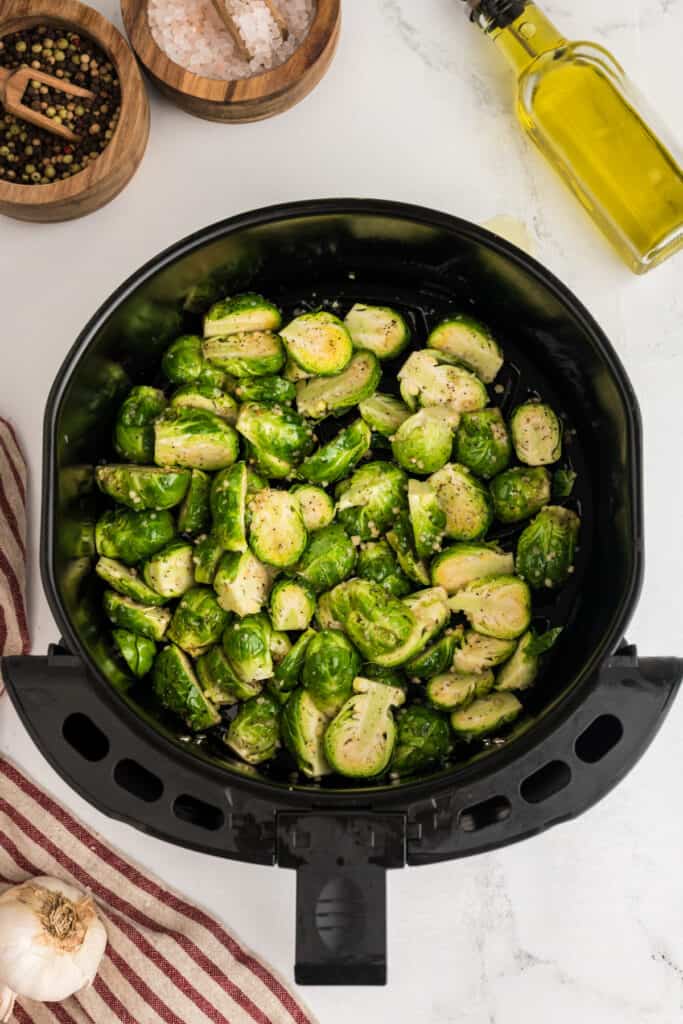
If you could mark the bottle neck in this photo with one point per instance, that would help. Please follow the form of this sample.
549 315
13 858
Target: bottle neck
525 38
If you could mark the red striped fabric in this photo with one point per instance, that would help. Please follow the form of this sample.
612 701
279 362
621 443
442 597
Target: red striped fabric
14 634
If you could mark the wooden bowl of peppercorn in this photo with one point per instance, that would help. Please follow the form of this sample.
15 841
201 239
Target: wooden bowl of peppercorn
44 177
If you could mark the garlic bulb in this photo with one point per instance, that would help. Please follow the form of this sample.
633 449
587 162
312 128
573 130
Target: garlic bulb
51 941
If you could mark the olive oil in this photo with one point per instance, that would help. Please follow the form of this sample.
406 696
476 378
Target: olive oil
576 103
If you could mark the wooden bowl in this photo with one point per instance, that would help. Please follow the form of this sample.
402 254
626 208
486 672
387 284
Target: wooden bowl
104 178
242 99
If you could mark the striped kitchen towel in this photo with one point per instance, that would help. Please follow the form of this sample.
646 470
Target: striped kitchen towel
166 962
14 636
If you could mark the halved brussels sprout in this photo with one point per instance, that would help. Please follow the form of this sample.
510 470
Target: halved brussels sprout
303 731
239 313
220 682
462 563
378 329
377 624
377 562
427 379
287 673
485 716
198 621
193 516
145 619
276 430
256 354
143 487
194 438
207 555
429 609
477 653
294 373
204 396
335 459
126 581
521 670
383 413
545 549
401 540
292 605
228 500
242 583
423 443
177 689
519 492
254 733
317 507
498 606
471 343
134 428
267 390
434 659
536 434
246 643
330 666
372 499
427 518
170 572
319 343
359 742
131 536
277 534
387 676
320 397
482 442
465 501
329 558
280 646
270 465
563 482
423 740
450 690
183 363
324 616
137 651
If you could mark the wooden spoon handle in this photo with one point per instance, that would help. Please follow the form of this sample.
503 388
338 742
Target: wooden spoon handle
230 24
61 84
278 18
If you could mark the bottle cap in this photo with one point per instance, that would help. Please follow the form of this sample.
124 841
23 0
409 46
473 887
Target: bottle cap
498 13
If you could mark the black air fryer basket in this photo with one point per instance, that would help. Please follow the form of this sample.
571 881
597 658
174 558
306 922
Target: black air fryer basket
597 706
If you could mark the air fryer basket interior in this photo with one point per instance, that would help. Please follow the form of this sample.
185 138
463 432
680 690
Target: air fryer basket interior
427 265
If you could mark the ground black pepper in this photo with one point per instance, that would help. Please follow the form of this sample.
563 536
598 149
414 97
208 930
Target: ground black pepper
33 156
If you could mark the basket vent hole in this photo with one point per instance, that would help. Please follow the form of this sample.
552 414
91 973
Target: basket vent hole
598 739
196 812
546 782
488 812
138 781
81 733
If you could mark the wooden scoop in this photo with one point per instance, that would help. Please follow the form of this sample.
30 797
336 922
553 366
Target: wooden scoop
222 10
13 86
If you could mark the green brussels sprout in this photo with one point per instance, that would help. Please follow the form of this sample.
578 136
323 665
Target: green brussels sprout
292 605
482 442
131 536
143 487
170 572
246 643
239 313
384 414
256 354
462 563
519 492
468 341
319 397
126 581
331 664
377 562
429 609
254 733
317 507
485 716
303 728
378 329
183 363
137 651
324 615
401 540
428 379
465 501
288 672
255 482
329 558
435 659
375 495
536 434
277 431
194 438
193 517
228 500
198 621
335 459
242 583
427 518
450 690
277 534
294 373
220 682
266 390
563 483
204 396
270 465
134 427
177 689
520 671
144 619
206 557
423 443
280 645
359 742
497 606
477 653
319 343
388 676
545 549
423 740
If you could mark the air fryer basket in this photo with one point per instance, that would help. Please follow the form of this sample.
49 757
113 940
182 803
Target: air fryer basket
598 705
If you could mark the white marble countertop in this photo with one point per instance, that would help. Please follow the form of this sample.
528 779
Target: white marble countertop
584 922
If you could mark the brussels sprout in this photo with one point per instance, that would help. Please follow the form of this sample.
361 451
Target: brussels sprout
127 582
287 673
276 430
434 659
303 730
520 671
324 616
423 443
427 379
563 483
170 572
317 507
320 397
193 516
228 500
383 413
143 487
280 646
482 442
134 428
267 390
429 609
497 606
377 624
536 434
183 363
335 459
145 619
518 493
477 653
254 733
423 739
375 495
377 328
330 666
377 562
401 540
220 682
359 742
450 691
198 621
137 651
470 343
427 518
204 396
207 555
294 373
329 558
178 690
194 438
465 501
277 534
238 313
270 465
485 716
246 643
256 354
131 536
292 605
545 549
242 583
319 343
462 563
387 676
